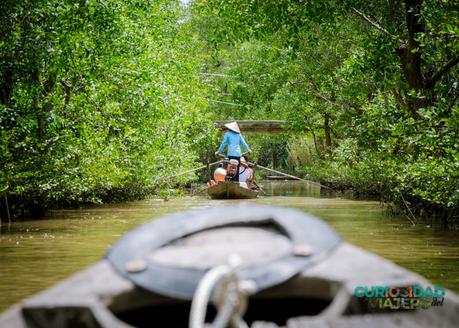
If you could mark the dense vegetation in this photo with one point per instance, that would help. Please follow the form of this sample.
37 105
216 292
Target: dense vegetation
373 84
100 99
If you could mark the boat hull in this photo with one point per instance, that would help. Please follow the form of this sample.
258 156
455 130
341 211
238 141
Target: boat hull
100 297
230 190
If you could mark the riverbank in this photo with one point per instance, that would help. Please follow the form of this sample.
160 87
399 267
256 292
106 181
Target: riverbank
16 207
405 187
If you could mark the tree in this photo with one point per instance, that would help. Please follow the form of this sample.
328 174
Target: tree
98 100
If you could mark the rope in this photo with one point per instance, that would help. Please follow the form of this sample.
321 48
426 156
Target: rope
230 298
202 296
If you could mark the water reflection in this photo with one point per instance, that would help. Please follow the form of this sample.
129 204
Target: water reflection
292 188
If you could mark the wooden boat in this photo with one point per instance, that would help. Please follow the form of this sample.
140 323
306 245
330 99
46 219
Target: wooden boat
294 271
231 190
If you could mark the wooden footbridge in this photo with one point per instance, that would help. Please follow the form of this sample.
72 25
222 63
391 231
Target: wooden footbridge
263 126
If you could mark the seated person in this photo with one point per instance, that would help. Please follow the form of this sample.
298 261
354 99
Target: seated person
245 174
219 176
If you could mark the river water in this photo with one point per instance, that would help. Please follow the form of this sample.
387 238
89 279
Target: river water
35 254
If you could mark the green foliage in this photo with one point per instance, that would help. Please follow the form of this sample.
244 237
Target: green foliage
104 99
373 85
98 99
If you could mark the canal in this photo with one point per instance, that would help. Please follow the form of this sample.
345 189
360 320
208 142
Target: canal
35 254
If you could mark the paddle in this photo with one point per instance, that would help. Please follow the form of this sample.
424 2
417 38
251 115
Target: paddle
261 189
289 175
192 170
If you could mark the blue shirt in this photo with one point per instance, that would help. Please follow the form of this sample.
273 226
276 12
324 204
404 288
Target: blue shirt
234 141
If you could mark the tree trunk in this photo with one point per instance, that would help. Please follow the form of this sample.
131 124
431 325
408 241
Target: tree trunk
274 157
409 52
327 129
6 87
315 144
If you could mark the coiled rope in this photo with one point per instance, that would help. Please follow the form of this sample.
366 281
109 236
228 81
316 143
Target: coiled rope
230 297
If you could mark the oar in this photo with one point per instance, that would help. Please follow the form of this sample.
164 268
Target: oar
192 170
200 191
289 175
261 189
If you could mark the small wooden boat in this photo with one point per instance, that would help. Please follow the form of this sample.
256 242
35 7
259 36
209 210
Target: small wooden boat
293 271
231 190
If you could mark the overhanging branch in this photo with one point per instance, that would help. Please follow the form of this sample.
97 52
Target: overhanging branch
434 79
374 24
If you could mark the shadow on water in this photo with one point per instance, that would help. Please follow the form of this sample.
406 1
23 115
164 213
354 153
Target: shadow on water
36 254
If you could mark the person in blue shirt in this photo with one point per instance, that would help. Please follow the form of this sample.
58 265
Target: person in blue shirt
233 140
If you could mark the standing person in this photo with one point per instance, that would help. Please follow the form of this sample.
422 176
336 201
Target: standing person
233 139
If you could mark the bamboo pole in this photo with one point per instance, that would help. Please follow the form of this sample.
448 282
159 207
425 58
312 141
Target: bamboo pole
200 191
192 170
289 175
261 189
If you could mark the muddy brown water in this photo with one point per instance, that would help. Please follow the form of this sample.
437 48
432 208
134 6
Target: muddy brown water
35 254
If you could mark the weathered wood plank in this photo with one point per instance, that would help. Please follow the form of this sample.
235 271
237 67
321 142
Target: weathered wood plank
259 126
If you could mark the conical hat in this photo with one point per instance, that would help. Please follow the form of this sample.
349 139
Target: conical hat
233 126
